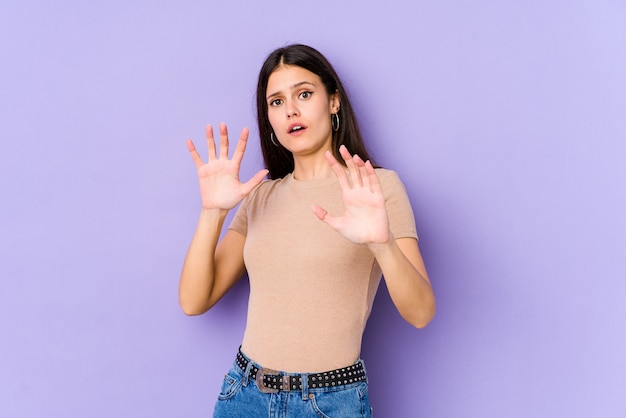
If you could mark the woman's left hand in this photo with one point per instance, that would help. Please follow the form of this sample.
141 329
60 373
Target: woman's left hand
365 218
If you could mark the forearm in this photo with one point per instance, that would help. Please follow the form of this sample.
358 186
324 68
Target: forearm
407 280
198 273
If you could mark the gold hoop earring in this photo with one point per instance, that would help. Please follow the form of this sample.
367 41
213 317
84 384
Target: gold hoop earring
272 139
334 120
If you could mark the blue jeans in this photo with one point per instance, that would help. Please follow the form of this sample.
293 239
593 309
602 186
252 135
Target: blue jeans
241 397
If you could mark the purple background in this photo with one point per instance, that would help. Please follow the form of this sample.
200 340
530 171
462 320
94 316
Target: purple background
506 120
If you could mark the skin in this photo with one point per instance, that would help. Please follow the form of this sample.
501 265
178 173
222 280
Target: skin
296 97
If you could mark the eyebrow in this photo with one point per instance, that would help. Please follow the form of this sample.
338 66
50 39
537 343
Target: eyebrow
291 88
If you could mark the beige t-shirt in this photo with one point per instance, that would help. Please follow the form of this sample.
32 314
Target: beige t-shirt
311 290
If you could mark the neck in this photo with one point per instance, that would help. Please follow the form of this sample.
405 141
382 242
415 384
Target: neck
311 168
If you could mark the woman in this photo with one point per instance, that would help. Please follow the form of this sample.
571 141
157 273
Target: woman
314 240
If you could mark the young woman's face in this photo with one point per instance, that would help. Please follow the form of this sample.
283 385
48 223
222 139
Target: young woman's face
299 110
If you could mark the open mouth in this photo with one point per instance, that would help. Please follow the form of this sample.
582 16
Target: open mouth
296 128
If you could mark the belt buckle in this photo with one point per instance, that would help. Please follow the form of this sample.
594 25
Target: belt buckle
259 380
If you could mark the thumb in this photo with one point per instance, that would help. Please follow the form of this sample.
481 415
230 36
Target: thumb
319 212
255 180
323 215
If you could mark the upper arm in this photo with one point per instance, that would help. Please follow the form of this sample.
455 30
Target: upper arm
229 264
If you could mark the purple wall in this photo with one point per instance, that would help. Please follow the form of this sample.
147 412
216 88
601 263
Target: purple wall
506 121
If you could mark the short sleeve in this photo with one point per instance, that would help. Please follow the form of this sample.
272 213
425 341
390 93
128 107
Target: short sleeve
398 205
240 220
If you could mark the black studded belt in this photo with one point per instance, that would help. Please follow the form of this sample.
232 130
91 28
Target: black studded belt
272 381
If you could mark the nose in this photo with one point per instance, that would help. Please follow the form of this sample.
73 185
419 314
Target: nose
291 108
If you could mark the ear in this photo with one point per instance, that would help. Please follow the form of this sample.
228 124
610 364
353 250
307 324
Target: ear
335 102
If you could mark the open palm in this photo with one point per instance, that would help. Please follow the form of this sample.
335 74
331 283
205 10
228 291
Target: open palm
218 178
364 220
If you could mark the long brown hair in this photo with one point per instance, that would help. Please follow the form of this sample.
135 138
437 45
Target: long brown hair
278 160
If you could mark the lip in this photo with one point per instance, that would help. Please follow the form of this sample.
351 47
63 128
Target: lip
290 130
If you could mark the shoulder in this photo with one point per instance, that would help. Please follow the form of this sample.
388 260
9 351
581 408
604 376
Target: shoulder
266 188
385 173
390 181
398 204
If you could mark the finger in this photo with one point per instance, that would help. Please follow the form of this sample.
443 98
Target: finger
363 174
210 142
323 215
320 212
254 181
241 146
194 154
223 141
355 176
373 179
339 170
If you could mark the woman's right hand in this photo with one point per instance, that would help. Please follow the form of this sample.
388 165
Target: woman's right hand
220 187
